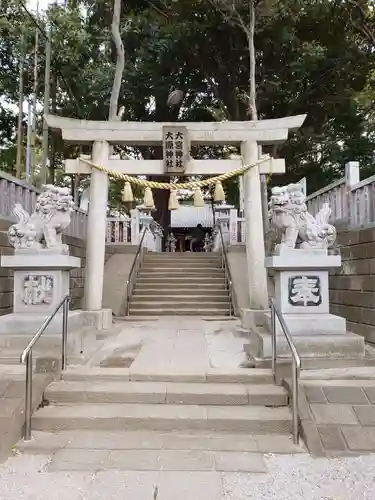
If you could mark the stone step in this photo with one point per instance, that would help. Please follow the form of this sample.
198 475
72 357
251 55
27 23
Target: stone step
12 356
214 375
149 291
116 417
166 393
179 298
175 311
183 280
345 346
166 304
20 341
150 283
47 443
365 374
184 272
182 263
182 255
153 318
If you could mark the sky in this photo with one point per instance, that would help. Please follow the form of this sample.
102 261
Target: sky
32 4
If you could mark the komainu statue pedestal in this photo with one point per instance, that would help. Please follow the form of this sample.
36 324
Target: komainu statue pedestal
300 266
41 264
41 279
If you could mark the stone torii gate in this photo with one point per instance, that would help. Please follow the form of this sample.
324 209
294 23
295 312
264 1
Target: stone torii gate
103 134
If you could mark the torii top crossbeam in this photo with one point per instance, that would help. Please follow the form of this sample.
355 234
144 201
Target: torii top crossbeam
102 134
136 133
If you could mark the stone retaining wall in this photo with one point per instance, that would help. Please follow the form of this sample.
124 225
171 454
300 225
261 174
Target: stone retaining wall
352 288
77 276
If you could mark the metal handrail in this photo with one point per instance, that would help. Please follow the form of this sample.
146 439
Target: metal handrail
27 357
138 253
225 266
276 313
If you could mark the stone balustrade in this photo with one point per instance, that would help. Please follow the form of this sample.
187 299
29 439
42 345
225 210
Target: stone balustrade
14 191
118 231
352 201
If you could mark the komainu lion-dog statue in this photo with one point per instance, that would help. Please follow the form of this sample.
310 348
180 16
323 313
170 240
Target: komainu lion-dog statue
298 228
43 228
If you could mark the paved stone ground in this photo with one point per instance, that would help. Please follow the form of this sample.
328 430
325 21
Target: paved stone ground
338 416
288 477
174 344
12 400
167 345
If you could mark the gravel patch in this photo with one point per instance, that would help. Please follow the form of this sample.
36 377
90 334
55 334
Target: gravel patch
300 477
289 477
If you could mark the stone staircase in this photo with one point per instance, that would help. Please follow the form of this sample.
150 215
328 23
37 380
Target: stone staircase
183 284
162 421
104 400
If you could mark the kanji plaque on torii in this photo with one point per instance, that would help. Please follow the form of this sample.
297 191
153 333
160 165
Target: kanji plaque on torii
175 149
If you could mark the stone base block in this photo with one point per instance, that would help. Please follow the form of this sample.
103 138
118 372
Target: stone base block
29 323
308 324
341 346
49 364
251 318
101 320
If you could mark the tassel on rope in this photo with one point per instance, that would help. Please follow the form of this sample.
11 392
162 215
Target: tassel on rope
219 194
127 193
148 199
198 198
173 201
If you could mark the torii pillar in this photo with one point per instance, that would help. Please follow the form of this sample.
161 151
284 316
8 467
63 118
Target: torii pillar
249 135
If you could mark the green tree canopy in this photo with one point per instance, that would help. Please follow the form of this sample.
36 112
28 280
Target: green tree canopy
312 57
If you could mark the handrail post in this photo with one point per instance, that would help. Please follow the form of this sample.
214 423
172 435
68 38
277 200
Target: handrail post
127 299
273 340
28 395
231 308
296 364
64 350
295 402
137 264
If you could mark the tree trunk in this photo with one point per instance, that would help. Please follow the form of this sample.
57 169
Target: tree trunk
47 76
35 97
120 61
252 63
52 167
20 111
253 107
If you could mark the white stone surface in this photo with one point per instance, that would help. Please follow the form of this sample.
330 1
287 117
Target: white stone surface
96 230
21 323
43 228
308 281
40 259
302 292
303 259
310 324
176 344
293 123
101 320
299 229
254 229
289 477
133 133
39 291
